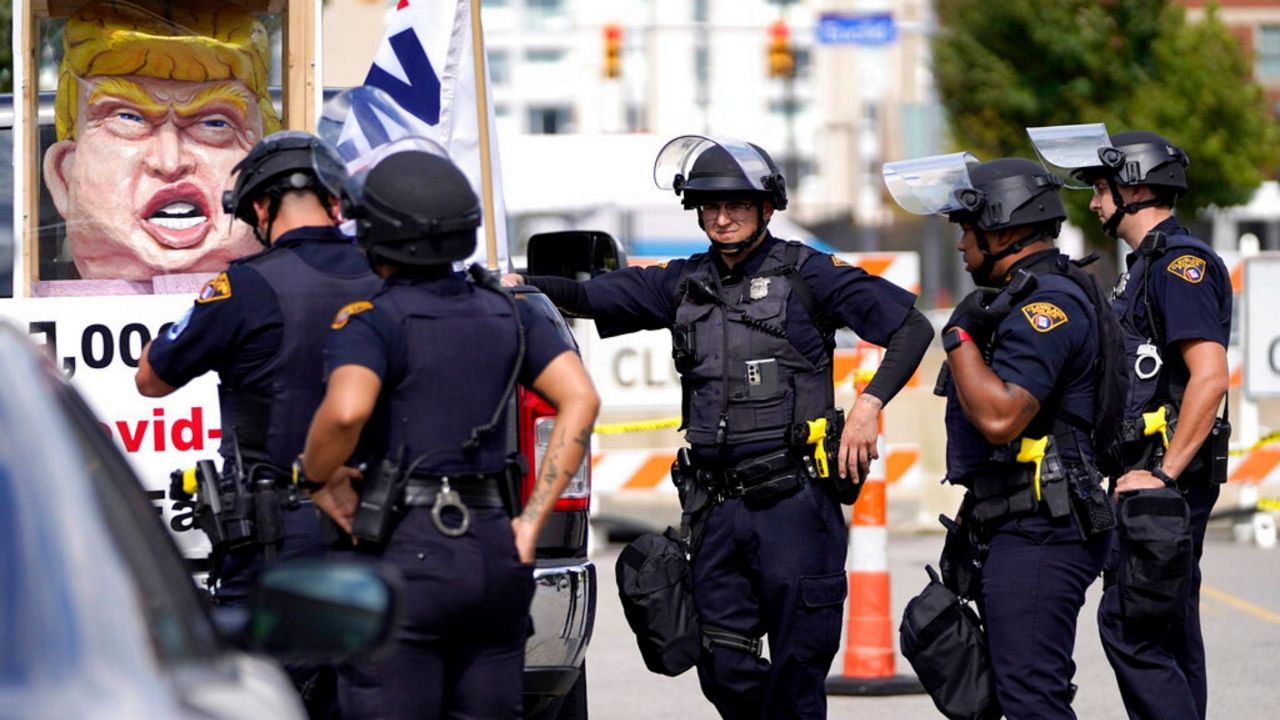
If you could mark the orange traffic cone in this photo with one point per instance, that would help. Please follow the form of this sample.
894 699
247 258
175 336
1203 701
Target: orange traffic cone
868 658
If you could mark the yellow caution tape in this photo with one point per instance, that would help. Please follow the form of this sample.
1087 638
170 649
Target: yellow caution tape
637 426
1269 505
1269 439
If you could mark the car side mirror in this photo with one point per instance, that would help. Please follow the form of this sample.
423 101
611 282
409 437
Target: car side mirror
321 610
574 254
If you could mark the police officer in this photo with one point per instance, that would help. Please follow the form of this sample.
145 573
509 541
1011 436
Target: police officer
425 369
261 326
1022 352
752 321
1174 304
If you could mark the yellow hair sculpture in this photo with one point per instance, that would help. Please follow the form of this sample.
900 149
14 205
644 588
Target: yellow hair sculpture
187 40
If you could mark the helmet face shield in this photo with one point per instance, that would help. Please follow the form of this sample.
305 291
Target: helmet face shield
1066 150
287 158
935 185
674 165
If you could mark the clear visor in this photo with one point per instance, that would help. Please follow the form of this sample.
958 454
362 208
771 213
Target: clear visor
365 164
361 120
1065 148
677 158
927 186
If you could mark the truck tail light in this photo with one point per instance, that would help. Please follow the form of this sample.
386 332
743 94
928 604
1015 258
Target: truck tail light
537 420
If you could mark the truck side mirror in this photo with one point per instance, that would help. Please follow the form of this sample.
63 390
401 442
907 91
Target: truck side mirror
575 254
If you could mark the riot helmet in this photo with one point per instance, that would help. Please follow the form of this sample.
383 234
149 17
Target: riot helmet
412 206
702 169
996 195
1083 154
282 162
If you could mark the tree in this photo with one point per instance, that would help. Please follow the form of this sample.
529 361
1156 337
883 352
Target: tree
1133 64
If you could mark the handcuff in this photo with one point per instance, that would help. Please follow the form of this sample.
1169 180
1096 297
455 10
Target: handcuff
447 497
1149 354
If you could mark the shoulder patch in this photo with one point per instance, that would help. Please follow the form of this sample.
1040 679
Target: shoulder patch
838 262
355 308
1044 316
219 288
662 265
1188 267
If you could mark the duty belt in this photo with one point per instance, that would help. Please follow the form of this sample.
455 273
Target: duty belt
476 491
760 479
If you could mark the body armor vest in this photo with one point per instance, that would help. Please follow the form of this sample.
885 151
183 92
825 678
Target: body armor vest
271 426
742 379
1143 324
459 351
1066 417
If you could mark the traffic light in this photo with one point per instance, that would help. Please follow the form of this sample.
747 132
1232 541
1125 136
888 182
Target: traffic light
612 51
782 61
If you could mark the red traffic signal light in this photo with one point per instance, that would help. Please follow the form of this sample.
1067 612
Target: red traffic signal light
613 36
782 61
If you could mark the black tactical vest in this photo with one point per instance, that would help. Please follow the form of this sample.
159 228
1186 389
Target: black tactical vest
743 381
1142 322
461 342
272 427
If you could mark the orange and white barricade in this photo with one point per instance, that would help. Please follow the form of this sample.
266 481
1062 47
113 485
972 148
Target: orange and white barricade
867 663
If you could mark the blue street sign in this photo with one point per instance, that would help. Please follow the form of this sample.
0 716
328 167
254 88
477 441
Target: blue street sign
873 29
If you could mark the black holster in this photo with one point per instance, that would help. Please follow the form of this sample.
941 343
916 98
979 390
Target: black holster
695 500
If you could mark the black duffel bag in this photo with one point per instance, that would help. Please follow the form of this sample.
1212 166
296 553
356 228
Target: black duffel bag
657 599
942 637
1156 554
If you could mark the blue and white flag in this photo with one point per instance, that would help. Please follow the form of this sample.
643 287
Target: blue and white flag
426 64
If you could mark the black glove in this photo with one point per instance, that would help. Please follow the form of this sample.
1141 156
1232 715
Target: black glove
976 317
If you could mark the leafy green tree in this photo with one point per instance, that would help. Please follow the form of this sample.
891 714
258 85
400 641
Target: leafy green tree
1133 64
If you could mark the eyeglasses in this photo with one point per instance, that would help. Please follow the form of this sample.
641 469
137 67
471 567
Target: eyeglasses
737 211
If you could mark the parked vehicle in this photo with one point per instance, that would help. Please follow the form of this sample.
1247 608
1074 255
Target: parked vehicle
98 616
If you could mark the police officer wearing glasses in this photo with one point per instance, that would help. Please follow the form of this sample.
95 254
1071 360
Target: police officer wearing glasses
1174 304
1023 358
261 326
752 322
421 375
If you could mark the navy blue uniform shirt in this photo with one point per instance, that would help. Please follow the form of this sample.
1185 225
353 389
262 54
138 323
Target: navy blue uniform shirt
373 340
235 326
1047 346
1190 294
636 298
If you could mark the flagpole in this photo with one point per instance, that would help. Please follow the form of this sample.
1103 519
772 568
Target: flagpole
482 124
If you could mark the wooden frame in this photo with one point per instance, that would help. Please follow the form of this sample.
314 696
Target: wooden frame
300 102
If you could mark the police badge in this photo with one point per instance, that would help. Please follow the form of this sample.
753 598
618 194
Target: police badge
759 288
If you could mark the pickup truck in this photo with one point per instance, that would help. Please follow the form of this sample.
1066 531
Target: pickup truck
96 342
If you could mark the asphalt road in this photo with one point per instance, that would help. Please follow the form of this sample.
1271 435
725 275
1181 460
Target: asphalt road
1240 617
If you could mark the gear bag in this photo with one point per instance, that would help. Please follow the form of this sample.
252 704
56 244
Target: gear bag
1156 554
657 599
942 637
